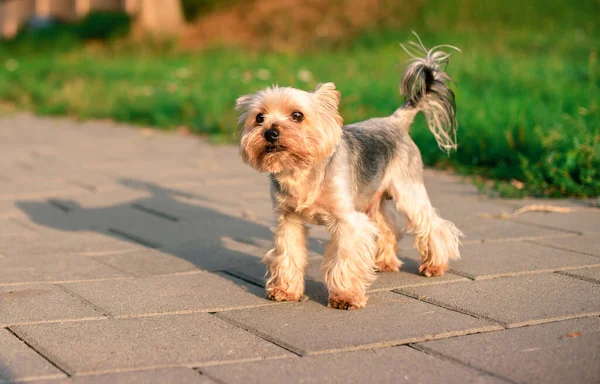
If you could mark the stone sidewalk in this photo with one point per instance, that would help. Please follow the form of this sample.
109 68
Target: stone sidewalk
133 256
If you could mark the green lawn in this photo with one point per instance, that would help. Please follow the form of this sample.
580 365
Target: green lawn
527 87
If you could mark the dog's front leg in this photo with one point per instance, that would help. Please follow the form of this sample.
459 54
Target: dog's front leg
349 263
287 260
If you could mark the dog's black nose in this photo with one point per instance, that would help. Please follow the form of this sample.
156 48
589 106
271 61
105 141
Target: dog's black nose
271 135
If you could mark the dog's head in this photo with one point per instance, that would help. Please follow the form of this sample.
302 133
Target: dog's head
287 128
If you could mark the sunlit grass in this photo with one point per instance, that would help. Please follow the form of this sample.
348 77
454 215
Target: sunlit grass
527 88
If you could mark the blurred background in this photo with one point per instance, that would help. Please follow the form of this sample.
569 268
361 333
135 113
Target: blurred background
527 79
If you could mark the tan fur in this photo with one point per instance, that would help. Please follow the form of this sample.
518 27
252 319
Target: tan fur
287 260
314 180
436 239
387 244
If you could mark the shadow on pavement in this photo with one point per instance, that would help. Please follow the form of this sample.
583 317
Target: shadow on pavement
178 223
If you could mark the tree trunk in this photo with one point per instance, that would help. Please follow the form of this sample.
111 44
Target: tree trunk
160 18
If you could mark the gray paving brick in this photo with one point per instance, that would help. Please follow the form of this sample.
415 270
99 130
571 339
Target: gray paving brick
187 201
89 211
589 244
483 261
409 276
589 274
18 362
203 291
388 319
121 217
13 228
576 203
147 262
39 303
385 365
516 301
315 286
8 208
462 207
202 242
52 268
490 229
582 222
101 199
561 352
159 376
24 189
182 340
73 243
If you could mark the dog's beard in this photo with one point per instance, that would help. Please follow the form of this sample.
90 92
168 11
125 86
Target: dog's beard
291 151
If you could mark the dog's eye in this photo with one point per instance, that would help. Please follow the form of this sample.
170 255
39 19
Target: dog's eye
297 116
260 118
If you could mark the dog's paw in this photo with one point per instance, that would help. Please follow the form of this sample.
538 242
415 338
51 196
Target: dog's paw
433 270
346 302
388 266
278 294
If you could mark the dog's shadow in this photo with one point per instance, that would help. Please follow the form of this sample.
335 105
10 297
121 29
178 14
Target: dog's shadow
182 224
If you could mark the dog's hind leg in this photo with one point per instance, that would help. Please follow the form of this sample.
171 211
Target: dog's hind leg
383 215
436 239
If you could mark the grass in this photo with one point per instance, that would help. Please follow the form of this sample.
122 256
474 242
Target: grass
527 87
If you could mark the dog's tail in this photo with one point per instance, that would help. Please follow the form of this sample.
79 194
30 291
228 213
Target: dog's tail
425 87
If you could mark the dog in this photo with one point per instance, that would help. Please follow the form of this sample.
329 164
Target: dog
357 180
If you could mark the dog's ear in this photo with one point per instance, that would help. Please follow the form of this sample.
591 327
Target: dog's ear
328 95
241 104
329 99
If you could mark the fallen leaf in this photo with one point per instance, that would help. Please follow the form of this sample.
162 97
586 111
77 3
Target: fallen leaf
573 334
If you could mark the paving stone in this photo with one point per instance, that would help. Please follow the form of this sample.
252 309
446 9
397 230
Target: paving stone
561 352
478 229
121 218
26 268
97 200
24 189
186 206
582 222
203 291
386 281
13 228
18 362
517 301
578 204
160 376
589 244
8 208
589 274
71 243
146 170
147 262
460 207
202 241
443 186
488 260
229 189
388 319
385 365
40 303
92 218
183 340
409 276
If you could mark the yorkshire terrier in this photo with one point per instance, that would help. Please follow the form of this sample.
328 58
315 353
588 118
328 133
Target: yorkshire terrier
355 179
